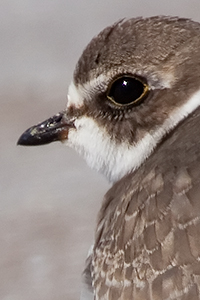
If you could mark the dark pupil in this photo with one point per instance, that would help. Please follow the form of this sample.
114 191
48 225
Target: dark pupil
126 90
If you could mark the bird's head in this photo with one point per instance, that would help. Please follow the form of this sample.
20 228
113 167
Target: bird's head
133 84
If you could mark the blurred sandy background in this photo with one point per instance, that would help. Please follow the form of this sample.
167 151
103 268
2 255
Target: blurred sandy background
49 198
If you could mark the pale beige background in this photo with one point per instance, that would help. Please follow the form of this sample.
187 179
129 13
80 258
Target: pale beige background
49 198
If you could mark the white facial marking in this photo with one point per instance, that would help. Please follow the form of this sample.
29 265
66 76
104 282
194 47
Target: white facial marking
74 97
116 160
167 80
77 94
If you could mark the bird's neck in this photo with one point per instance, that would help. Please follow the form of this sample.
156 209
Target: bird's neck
145 195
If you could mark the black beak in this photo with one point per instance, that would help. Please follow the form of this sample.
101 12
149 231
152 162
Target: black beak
53 129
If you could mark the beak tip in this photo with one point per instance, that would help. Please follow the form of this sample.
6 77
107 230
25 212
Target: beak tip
19 142
24 140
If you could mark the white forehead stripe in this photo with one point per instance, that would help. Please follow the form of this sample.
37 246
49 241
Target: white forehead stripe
74 96
116 160
77 94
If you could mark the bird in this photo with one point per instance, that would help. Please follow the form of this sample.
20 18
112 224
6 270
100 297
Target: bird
133 113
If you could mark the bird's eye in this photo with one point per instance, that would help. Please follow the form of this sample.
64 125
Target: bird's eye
126 90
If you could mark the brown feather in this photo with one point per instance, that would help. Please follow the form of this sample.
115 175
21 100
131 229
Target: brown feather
148 244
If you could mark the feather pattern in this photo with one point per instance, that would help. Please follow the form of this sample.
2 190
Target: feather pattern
147 240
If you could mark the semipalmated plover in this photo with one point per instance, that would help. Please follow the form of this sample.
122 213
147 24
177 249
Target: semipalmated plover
133 113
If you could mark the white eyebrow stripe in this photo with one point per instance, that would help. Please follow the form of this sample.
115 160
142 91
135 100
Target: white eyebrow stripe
78 93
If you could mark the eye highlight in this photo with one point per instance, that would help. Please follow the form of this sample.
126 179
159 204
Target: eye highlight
127 90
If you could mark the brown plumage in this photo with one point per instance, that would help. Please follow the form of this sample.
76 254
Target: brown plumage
147 244
147 241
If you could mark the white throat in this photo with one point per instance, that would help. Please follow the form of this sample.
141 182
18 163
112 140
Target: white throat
116 160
